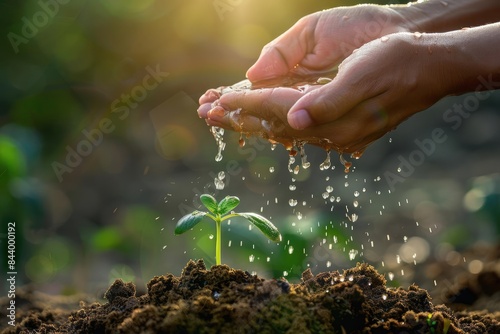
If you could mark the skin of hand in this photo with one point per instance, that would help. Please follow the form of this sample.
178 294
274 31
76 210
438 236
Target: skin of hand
377 87
362 103
320 41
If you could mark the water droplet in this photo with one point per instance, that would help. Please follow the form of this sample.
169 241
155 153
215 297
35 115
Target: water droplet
355 203
292 202
216 295
251 258
221 175
354 217
417 35
391 276
399 169
384 39
271 169
384 296
219 184
290 250
218 134
345 163
356 193
356 155
329 189
352 254
328 264
268 259
292 187
299 215
327 163
325 195
211 236
296 170
303 157
241 141
346 184
285 273
390 140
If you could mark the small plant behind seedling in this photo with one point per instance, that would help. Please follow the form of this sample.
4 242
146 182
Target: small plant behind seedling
221 211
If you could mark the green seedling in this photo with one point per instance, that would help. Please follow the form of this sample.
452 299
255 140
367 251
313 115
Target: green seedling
221 211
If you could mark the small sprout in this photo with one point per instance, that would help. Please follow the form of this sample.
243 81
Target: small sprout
431 323
221 211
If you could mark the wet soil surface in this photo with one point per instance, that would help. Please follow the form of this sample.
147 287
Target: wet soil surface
226 300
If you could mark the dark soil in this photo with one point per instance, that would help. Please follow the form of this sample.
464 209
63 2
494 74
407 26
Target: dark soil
225 300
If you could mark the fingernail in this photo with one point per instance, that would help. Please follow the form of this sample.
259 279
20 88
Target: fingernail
204 109
216 113
299 119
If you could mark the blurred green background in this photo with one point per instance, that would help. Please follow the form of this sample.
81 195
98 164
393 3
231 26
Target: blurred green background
101 152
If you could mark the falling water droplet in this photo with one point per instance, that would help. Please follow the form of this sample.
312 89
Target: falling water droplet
211 236
271 169
241 141
384 296
251 258
299 215
391 276
219 184
328 264
292 202
329 189
327 163
325 195
352 254
218 134
345 163
290 250
303 157
292 187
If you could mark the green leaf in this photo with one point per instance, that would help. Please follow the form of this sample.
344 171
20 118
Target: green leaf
263 224
189 221
227 204
209 202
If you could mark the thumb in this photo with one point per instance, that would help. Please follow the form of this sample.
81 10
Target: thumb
323 105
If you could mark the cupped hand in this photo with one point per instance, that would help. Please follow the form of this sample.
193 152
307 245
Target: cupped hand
377 87
320 41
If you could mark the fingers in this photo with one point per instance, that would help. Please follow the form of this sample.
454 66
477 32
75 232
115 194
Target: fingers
206 101
282 54
331 101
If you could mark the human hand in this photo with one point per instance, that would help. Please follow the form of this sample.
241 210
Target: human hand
377 87
320 41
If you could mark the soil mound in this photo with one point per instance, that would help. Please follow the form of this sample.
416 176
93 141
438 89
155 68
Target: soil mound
226 300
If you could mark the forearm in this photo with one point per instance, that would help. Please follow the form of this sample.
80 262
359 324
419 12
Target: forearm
447 15
472 58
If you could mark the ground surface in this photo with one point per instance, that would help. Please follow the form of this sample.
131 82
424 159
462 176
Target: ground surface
226 300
